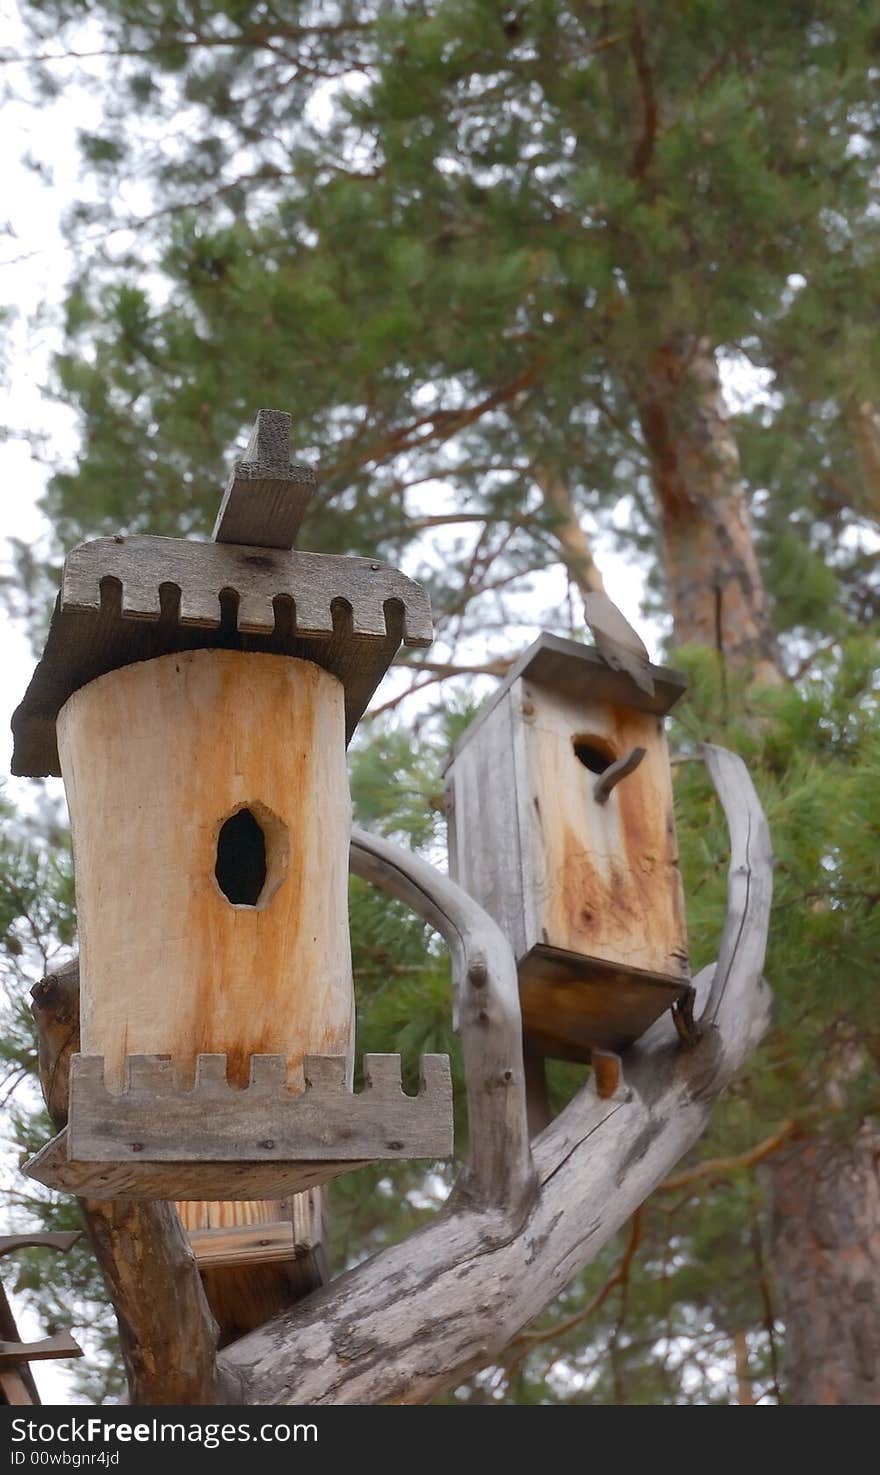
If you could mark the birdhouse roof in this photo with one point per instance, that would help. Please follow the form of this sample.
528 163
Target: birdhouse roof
579 671
129 599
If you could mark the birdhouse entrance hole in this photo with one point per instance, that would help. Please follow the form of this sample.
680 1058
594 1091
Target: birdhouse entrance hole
594 753
252 856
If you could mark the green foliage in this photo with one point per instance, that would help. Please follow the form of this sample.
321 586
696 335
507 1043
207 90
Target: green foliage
451 237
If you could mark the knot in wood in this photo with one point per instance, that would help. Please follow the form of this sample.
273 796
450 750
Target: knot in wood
478 973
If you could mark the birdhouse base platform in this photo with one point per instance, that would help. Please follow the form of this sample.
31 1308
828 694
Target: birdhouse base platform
154 1140
572 1005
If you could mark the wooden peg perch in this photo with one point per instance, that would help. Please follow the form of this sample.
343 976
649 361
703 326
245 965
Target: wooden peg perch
615 772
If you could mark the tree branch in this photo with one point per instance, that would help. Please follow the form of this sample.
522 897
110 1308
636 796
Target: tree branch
720 1167
422 1315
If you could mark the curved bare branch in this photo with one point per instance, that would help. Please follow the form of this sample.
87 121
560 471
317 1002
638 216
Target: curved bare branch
422 1315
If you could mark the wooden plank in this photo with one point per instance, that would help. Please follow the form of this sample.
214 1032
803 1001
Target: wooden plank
243 1244
484 834
128 600
141 1181
157 758
62 1344
267 494
153 1120
245 1289
571 1005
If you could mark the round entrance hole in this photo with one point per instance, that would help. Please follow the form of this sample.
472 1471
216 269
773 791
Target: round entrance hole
593 752
252 856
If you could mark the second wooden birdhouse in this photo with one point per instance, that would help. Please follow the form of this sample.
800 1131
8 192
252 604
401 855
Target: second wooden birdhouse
561 826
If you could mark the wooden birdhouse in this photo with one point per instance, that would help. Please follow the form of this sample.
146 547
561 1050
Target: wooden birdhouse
197 698
561 826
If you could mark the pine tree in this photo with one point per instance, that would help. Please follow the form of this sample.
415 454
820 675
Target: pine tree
506 250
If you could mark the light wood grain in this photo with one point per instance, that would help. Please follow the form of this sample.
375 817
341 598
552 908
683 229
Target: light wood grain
156 757
423 1314
135 1183
256 1257
242 1244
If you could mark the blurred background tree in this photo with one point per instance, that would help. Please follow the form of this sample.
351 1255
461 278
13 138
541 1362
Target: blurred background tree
499 261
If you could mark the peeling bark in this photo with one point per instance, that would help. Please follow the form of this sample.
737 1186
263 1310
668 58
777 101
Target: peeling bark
824 1196
716 590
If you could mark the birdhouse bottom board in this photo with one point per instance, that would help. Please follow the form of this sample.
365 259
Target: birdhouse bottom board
570 1006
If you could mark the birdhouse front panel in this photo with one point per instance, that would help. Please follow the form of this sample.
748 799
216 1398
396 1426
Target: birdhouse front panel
585 880
211 817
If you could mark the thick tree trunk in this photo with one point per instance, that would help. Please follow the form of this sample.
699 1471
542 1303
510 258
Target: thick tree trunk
824 1192
825 1243
716 591
863 422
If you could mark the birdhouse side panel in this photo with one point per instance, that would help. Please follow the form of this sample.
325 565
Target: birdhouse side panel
485 852
606 882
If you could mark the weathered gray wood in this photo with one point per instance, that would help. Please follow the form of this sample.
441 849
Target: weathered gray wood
267 494
616 641
750 876
483 825
422 1315
487 1015
61 1345
124 600
134 1184
53 1239
151 1120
